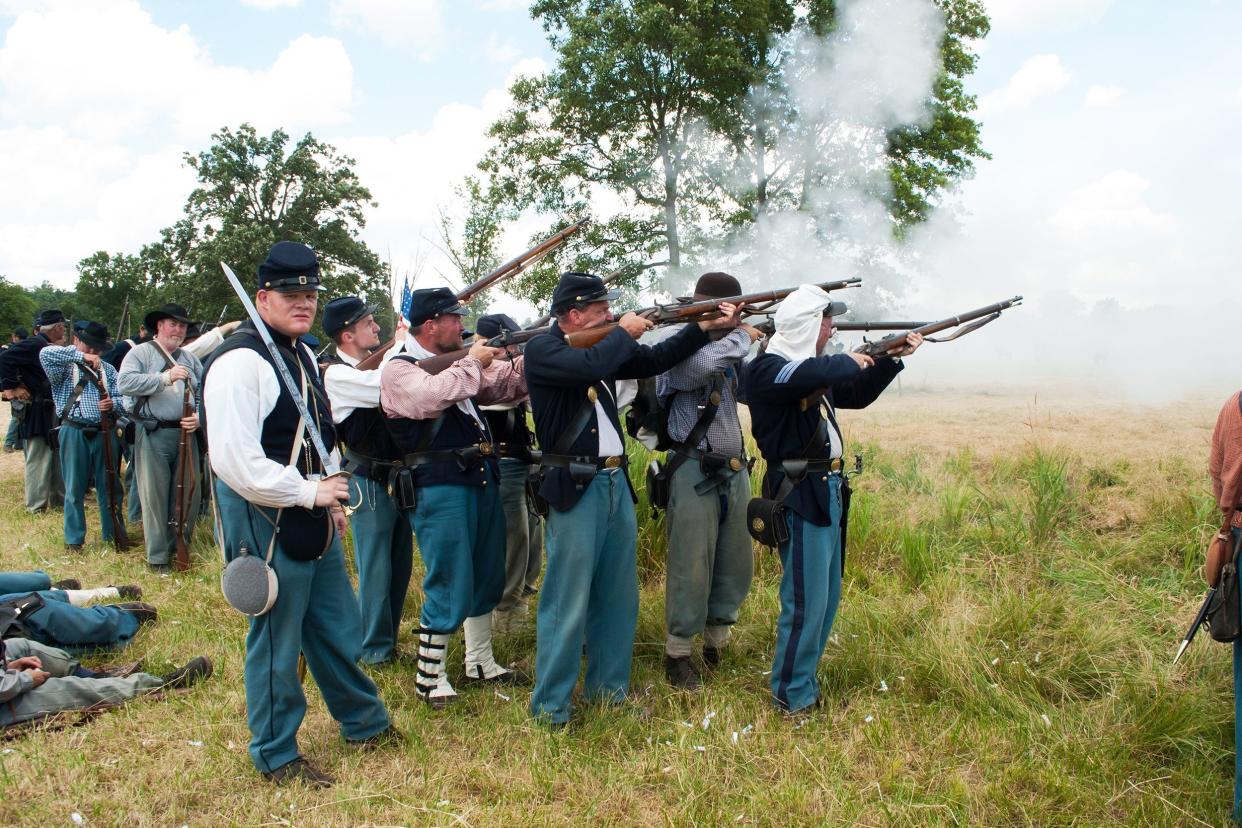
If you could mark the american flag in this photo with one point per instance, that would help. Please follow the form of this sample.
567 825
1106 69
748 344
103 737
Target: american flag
405 299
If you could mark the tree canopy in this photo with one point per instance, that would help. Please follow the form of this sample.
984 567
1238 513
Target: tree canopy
695 118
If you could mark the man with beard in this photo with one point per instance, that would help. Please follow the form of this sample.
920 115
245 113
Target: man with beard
157 375
453 469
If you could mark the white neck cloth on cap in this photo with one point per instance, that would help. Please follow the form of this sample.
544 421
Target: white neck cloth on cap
797 323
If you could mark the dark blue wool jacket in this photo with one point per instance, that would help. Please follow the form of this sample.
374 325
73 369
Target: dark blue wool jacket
558 376
775 388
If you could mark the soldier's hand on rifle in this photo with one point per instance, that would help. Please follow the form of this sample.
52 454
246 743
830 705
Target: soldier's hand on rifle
177 372
189 423
105 404
913 341
332 491
755 333
863 360
635 325
729 317
483 352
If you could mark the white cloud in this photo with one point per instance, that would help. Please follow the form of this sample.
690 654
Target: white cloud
499 51
1039 76
267 5
129 76
395 22
94 143
1099 97
1110 205
1044 14
413 174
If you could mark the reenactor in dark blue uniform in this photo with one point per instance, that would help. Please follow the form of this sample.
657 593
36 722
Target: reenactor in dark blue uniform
23 380
275 503
793 392
590 587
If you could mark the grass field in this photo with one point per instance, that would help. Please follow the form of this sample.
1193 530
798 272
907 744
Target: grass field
1019 573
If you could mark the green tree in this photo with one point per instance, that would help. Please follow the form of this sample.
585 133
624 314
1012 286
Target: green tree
111 283
677 108
47 296
17 309
252 192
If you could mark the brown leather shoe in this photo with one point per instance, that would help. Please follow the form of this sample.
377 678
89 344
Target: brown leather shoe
68 583
712 657
299 770
195 670
386 738
144 612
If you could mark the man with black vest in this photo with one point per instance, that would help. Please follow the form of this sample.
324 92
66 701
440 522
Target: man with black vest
514 443
159 376
793 390
710 553
590 587
76 373
383 543
273 502
450 486
24 382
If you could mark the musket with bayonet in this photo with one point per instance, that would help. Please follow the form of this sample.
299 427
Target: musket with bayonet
330 467
505 271
690 311
1221 549
966 322
120 326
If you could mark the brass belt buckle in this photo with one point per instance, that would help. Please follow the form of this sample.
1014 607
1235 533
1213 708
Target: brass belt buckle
835 465
485 448
612 462
735 463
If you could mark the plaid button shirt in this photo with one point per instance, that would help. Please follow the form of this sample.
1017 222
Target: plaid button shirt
63 365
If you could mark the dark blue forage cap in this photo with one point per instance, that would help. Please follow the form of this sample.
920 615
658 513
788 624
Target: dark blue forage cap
494 324
576 288
428 303
344 311
290 266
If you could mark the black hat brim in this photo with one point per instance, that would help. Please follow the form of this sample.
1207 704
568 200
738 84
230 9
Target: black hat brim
152 319
92 341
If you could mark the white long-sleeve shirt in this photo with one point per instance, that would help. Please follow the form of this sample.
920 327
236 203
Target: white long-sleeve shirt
350 389
241 391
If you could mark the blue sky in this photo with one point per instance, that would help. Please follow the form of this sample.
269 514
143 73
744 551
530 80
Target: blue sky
1113 125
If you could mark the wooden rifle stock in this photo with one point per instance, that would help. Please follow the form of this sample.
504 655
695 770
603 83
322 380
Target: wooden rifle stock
185 485
505 271
439 362
700 311
107 430
979 317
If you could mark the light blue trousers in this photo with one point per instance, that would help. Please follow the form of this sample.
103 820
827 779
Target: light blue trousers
384 555
315 614
461 538
60 624
590 594
810 592
79 456
24 581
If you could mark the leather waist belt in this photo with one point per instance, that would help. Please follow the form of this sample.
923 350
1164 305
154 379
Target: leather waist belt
796 468
168 424
81 425
517 451
734 464
369 467
463 456
564 461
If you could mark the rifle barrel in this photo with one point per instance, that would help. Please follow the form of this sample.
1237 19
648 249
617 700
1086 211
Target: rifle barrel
1200 616
895 341
877 326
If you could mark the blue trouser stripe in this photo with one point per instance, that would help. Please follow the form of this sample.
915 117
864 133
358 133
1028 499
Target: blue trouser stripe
810 592
316 614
